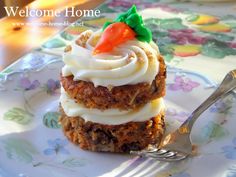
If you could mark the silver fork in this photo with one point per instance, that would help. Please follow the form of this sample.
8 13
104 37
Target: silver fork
177 145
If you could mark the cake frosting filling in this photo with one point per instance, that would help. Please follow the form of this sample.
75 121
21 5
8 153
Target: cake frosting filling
110 116
129 63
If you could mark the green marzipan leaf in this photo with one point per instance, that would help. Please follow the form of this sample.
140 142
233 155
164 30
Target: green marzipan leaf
144 33
73 162
19 149
54 43
18 115
50 120
135 21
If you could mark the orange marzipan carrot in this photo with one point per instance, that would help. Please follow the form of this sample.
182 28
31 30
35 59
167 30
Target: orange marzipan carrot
112 36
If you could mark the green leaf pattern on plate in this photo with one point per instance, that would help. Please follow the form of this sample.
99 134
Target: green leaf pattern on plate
54 43
3 73
217 49
214 130
166 24
18 115
66 36
231 24
222 37
212 44
19 149
8 70
74 162
105 8
50 120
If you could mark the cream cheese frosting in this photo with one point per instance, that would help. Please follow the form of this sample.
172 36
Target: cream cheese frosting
130 63
110 116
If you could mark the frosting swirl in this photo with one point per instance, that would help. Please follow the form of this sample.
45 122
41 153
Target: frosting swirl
130 63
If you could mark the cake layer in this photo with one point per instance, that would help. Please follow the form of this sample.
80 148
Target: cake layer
113 138
130 63
121 97
110 116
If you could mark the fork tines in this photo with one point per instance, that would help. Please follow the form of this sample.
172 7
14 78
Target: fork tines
160 154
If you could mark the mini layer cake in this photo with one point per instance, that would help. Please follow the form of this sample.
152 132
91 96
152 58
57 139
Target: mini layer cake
113 82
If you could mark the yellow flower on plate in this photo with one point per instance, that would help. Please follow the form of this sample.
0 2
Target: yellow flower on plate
203 19
186 50
217 28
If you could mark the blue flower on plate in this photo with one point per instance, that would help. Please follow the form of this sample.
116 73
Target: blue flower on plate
52 86
56 146
220 107
183 83
26 84
230 150
181 174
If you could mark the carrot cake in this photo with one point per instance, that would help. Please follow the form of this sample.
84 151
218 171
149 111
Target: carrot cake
113 84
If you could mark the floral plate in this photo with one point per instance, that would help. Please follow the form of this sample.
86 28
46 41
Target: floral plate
33 145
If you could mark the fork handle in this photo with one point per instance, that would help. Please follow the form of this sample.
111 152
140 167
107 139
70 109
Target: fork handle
227 85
